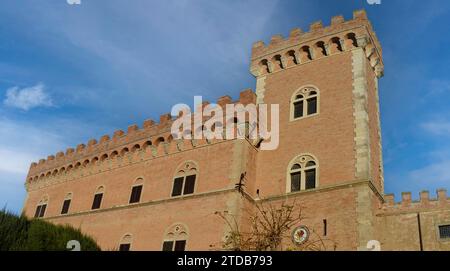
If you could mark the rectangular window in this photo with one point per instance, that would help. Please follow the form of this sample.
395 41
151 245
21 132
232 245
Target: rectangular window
189 185
295 181
298 109
167 246
97 201
65 207
180 245
124 247
312 106
310 176
177 186
38 211
444 231
136 194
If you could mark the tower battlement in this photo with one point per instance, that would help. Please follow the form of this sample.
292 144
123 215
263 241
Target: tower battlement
303 47
407 204
151 134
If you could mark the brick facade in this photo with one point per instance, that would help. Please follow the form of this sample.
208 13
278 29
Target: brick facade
342 62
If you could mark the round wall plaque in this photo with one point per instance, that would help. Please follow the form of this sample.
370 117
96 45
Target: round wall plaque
300 235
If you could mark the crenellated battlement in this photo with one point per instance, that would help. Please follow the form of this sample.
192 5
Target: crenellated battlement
303 47
408 205
153 138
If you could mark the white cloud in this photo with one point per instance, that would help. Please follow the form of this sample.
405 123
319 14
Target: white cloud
437 127
23 143
28 97
437 174
439 86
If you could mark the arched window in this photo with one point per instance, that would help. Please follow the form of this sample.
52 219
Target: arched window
66 204
175 238
136 191
125 243
159 140
124 151
350 41
41 207
335 45
305 102
184 180
264 66
146 145
104 157
98 196
305 54
302 174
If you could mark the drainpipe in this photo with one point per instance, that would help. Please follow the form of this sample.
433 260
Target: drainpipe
420 232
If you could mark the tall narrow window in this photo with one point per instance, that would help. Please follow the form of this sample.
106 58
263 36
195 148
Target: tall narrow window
66 204
295 177
38 211
97 202
65 207
177 186
298 109
136 194
189 184
136 191
302 174
312 103
175 238
310 175
304 103
184 180
41 207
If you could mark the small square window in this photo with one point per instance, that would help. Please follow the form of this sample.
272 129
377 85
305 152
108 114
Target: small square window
124 247
180 245
167 246
444 232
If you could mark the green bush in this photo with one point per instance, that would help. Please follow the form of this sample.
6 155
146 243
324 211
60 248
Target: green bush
20 233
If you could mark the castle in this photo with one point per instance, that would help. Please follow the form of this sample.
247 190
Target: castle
146 190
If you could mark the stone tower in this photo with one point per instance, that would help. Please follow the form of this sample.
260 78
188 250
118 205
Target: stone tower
341 64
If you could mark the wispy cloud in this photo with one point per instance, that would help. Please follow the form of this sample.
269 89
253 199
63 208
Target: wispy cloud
28 97
437 127
436 174
439 86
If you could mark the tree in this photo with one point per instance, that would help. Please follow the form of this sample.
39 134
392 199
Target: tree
20 233
270 228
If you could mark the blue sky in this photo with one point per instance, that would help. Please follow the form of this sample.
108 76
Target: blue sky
69 73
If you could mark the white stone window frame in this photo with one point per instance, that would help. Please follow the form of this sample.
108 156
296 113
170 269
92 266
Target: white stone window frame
185 169
305 91
176 232
438 235
302 160
127 239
